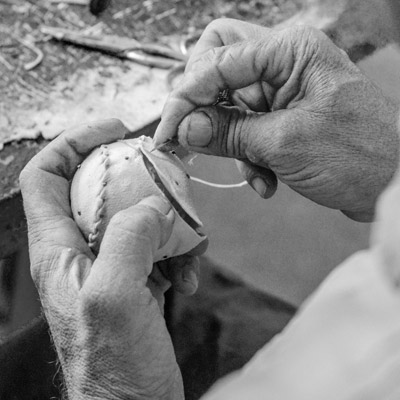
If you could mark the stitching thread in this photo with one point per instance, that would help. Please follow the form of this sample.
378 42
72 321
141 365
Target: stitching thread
100 197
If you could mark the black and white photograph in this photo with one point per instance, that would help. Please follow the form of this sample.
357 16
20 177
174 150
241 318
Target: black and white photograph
199 200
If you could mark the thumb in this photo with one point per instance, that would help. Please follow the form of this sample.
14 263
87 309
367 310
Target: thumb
252 137
133 236
234 132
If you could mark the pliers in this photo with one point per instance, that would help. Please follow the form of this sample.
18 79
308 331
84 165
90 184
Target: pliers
151 54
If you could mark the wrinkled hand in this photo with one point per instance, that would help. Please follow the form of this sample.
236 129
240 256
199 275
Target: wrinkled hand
105 313
303 113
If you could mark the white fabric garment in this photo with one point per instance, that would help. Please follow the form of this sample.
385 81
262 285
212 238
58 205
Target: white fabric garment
344 343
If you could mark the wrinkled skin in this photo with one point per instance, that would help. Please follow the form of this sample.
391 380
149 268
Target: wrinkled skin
304 113
106 313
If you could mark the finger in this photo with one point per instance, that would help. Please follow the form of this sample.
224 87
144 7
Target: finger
45 180
118 295
222 32
183 272
45 184
262 180
225 31
200 249
260 138
254 97
223 68
62 156
158 285
130 242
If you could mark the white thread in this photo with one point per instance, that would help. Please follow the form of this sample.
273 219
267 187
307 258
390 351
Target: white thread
218 185
190 161
94 236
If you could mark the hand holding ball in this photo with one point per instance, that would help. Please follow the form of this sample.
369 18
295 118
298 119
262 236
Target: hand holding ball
119 175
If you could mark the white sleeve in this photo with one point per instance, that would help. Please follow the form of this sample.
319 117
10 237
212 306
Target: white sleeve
344 343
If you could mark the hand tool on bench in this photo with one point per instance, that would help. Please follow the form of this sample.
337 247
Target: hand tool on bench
151 54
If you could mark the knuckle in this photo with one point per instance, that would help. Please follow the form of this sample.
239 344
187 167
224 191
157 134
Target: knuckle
230 127
237 133
117 122
236 130
199 65
25 177
218 24
285 139
108 123
308 37
229 130
303 31
211 56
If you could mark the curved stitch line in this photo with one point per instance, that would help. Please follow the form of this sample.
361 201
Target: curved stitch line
100 197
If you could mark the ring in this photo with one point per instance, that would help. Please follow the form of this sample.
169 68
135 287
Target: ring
224 96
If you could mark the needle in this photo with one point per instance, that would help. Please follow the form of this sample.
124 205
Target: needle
168 145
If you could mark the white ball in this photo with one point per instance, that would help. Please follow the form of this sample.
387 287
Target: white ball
117 176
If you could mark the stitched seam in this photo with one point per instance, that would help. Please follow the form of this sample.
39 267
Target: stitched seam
100 197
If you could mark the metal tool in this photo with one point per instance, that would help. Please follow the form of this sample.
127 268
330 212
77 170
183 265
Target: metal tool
169 145
150 54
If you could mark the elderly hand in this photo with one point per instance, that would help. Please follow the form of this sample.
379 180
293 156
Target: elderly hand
302 110
105 313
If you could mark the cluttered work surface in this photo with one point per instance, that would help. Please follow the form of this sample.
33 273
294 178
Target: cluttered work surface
48 85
